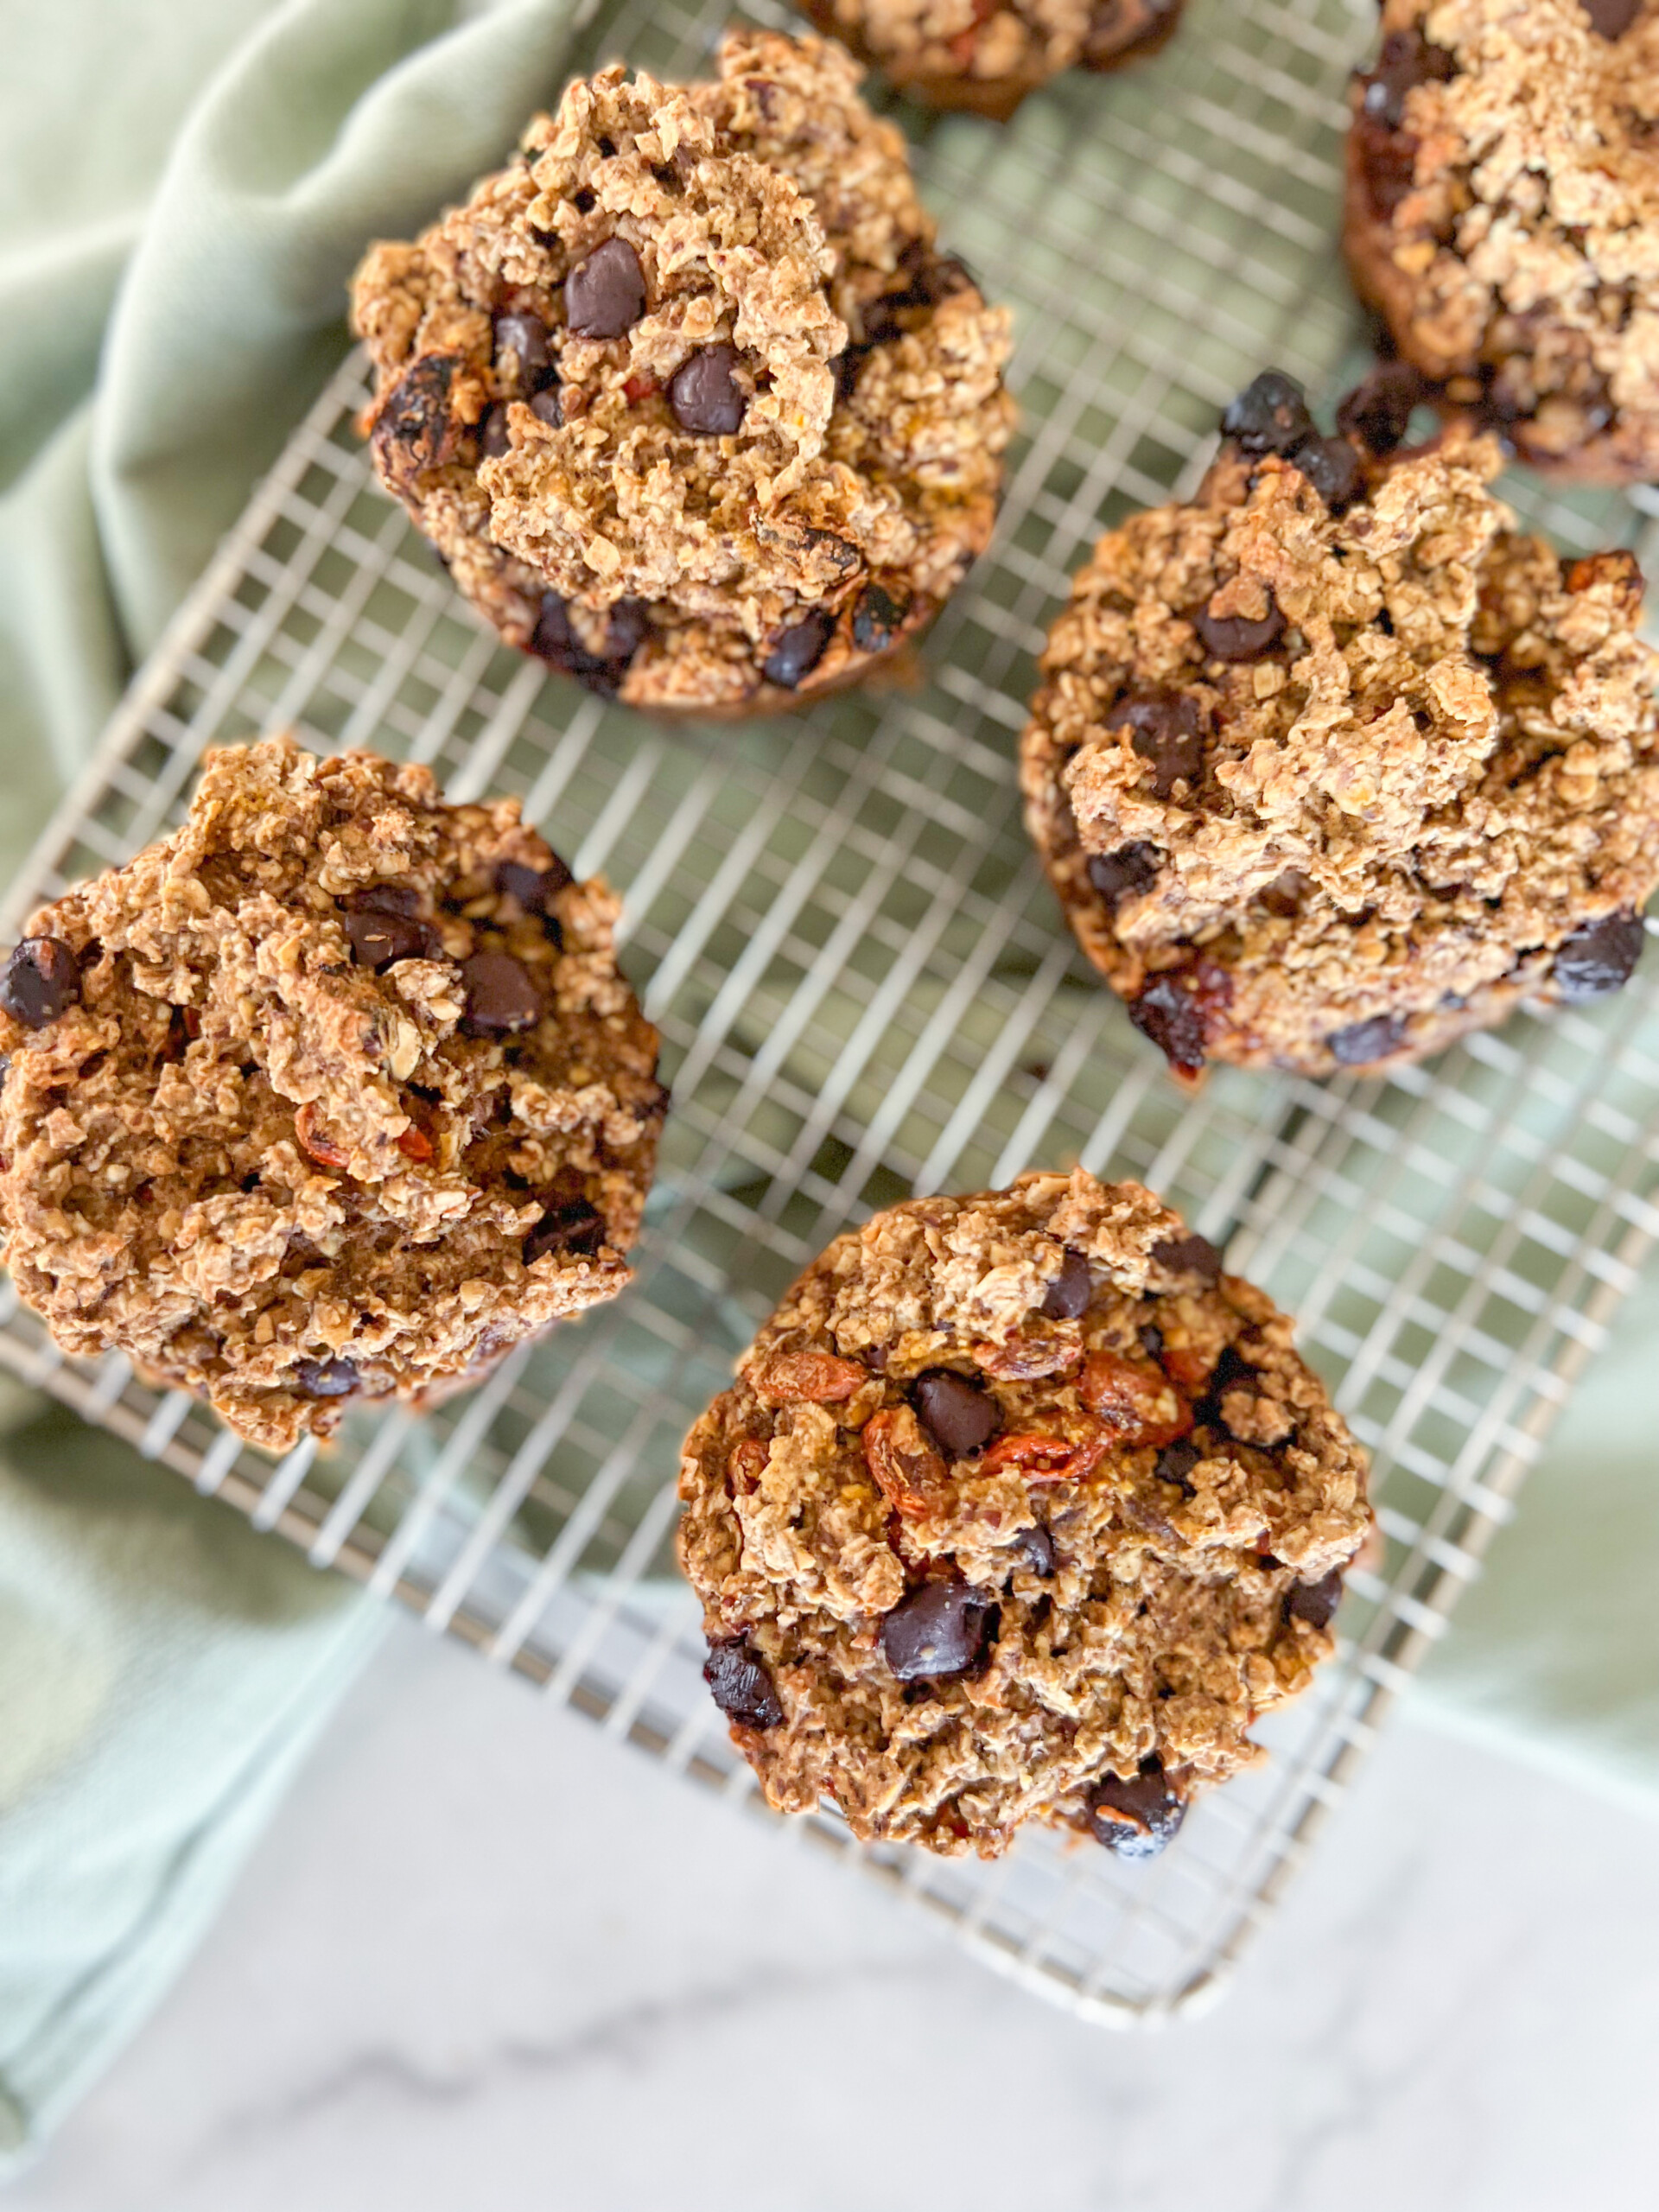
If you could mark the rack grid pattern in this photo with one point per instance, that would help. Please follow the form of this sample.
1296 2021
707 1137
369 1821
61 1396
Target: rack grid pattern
864 989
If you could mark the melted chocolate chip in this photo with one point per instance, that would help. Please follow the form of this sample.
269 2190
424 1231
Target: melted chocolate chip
493 435
1611 19
1067 1297
1269 415
1362 1042
535 889
1406 59
1597 959
415 429
1239 637
798 651
939 1633
1190 1255
1036 1547
1378 411
326 1378
1124 873
547 407
1137 1818
500 996
1315 1602
1166 729
554 641
705 397
741 1685
1173 1011
958 1415
380 937
877 618
524 335
1331 467
41 978
605 294
1176 1462
576 1227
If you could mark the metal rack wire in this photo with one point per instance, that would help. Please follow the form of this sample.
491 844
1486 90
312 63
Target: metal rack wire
864 989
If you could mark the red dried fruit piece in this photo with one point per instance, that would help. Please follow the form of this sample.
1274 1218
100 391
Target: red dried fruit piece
1134 1399
818 1376
745 1464
1047 1459
1186 1365
314 1141
904 1466
413 1144
637 387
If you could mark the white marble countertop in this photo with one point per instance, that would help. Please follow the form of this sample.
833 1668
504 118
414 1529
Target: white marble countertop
485 1958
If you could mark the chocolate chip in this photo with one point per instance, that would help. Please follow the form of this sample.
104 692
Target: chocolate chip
492 437
741 1685
524 335
1124 873
1362 1042
1166 729
1597 959
1239 637
1175 1017
1067 1296
798 651
379 938
1611 19
1036 1546
877 618
576 1227
1176 1462
1315 1602
1269 415
939 1633
415 429
705 397
42 977
1190 1255
1378 409
554 640
500 996
1406 59
626 628
326 1378
1331 467
535 889
958 1414
1137 1818
605 294
547 407
1152 1340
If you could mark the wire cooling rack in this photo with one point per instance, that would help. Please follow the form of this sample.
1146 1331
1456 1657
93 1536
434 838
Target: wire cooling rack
865 990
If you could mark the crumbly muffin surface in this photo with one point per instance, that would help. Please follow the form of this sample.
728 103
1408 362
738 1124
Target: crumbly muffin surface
335 1093
977 54
1019 1510
686 398
1334 764
1504 216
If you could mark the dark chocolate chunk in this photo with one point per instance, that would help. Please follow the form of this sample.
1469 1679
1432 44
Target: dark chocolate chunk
1239 637
705 397
956 1413
1362 1042
1137 1818
41 978
1067 1296
1190 1255
1611 19
1406 59
798 651
534 888
1152 1340
492 437
1315 1602
1597 959
574 1227
1166 729
379 937
1331 467
1174 1017
554 641
627 627
1122 874
1378 411
1036 1547
547 407
877 617
1176 1462
940 1632
605 294
500 996
326 1378
741 1685
1269 415
524 335
414 428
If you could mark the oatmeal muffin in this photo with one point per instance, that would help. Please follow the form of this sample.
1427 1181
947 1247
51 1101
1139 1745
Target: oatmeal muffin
1019 1510
1334 763
972 54
1503 218
686 398
335 1094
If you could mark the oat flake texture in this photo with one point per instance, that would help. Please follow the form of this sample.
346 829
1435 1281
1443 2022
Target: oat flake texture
343 1096
1019 1510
